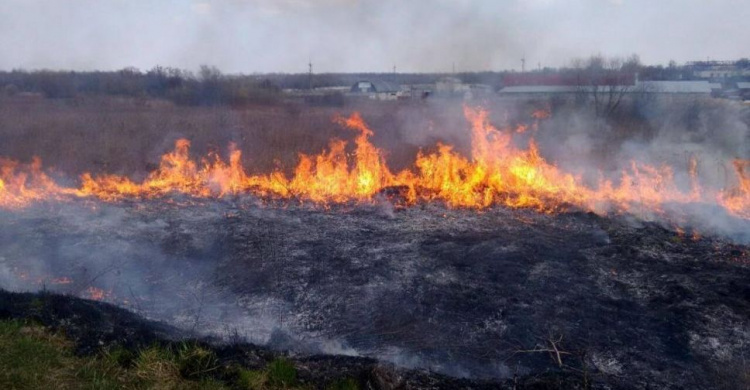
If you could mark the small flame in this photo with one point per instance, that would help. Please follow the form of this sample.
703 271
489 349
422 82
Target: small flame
96 294
61 280
737 200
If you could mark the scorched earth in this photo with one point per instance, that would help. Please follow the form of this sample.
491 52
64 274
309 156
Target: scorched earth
483 294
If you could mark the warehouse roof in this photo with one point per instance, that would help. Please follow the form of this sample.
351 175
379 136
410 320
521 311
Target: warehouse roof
642 86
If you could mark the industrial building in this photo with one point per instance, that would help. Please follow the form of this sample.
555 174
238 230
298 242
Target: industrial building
696 88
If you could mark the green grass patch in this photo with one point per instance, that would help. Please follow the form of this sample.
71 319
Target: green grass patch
33 357
30 357
282 373
195 361
344 384
252 379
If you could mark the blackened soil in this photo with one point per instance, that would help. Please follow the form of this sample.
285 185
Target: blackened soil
492 295
96 326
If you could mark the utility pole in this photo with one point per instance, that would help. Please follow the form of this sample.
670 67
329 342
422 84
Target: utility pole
309 75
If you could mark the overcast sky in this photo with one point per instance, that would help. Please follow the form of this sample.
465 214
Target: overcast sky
246 36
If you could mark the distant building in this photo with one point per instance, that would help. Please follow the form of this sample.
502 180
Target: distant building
476 91
717 70
540 90
564 84
567 79
416 91
699 87
682 88
380 90
450 86
743 89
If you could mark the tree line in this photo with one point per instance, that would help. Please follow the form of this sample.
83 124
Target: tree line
207 87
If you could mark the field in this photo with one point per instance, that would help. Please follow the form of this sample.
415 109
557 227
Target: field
102 134
502 296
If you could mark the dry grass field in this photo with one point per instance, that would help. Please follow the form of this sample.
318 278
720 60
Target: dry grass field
127 136
104 134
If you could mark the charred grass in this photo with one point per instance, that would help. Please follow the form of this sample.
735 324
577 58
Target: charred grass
58 341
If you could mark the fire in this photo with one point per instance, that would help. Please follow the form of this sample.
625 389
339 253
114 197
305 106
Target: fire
497 172
329 177
97 294
737 200
22 184
61 280
541 113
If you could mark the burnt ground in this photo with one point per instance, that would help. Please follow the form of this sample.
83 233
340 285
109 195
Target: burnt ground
491 295
96 326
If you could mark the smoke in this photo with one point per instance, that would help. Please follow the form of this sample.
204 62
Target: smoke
167 264
683 133
360 35
697 138
148 265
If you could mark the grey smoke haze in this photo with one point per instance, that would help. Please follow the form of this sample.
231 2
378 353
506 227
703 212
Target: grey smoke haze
360 35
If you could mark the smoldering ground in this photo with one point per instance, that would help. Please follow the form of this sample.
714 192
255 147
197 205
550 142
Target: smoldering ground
456 291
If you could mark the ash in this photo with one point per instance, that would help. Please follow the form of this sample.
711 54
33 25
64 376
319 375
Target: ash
490 294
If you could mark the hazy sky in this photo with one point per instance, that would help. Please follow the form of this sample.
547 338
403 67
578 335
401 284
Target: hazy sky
363 35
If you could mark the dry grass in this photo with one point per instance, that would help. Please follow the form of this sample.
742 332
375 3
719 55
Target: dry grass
120 135
127 136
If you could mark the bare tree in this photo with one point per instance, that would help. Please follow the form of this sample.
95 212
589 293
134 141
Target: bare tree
606 81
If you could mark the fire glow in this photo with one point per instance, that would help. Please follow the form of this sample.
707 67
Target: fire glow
497 173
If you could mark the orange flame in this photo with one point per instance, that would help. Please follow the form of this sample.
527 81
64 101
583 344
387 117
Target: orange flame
97 294
737 200
61 280
497 172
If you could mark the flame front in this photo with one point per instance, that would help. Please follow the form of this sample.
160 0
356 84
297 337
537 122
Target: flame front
497 172
737 200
